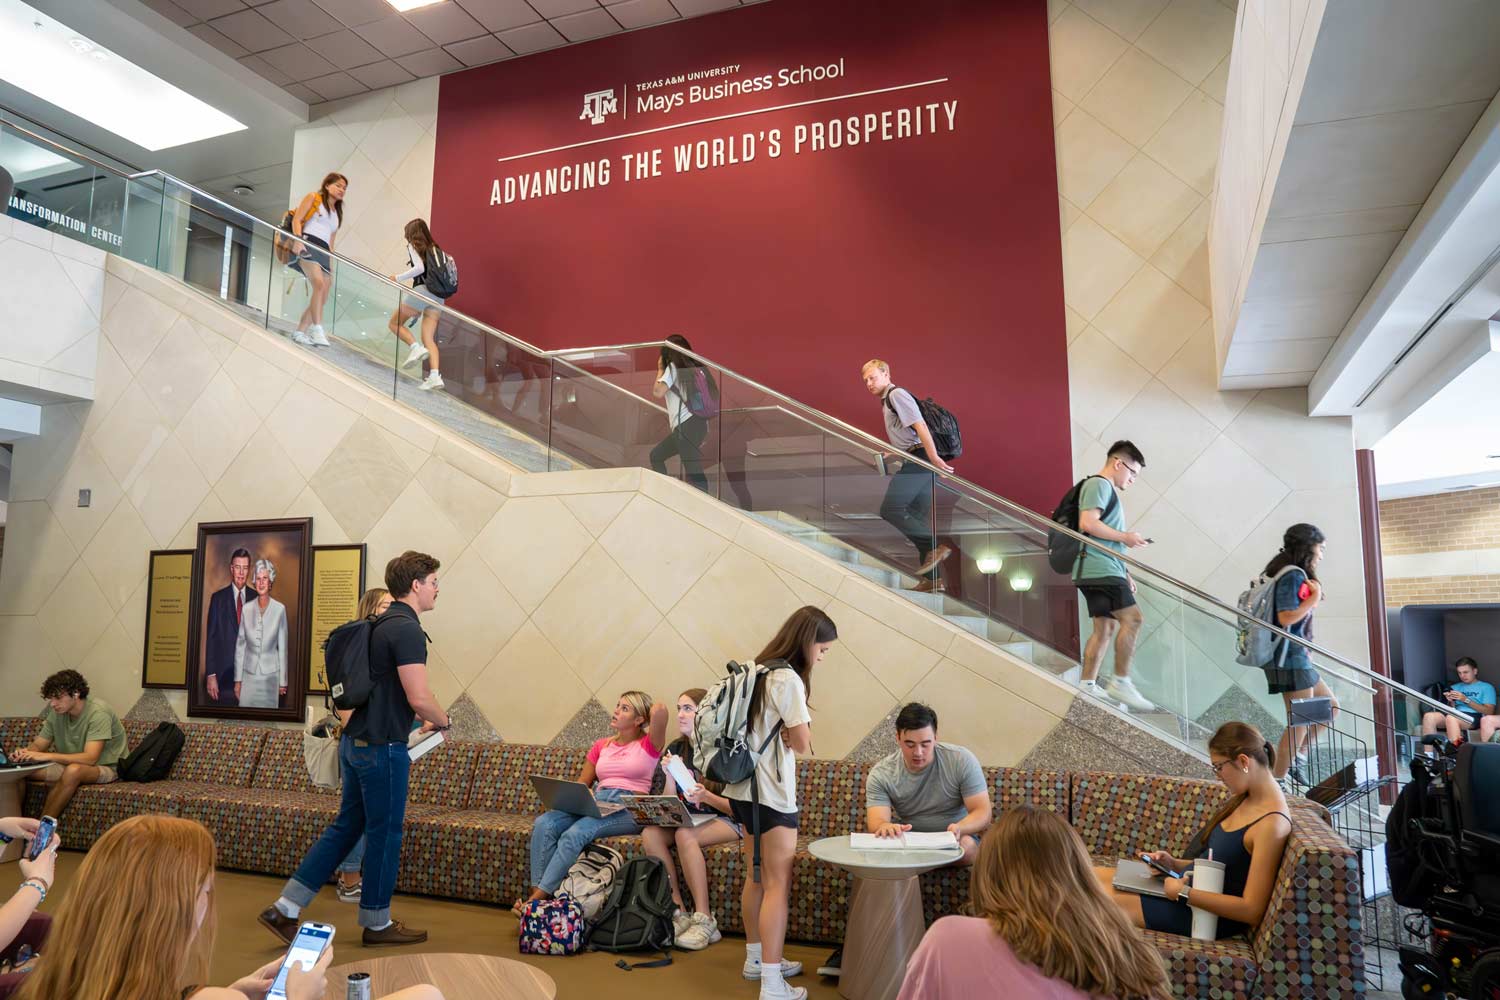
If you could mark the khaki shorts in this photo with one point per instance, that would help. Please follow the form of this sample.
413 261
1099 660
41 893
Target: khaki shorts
54 773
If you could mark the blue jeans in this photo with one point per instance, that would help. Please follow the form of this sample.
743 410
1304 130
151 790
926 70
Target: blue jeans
557 838
355 859
373 808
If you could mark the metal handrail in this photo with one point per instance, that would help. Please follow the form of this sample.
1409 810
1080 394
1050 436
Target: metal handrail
994 499
1023 513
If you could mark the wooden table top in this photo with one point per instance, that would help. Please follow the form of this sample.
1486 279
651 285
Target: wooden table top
466 977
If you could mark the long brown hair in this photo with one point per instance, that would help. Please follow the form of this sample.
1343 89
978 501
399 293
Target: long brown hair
328 203
805 626
1035 884
126 926
420 237
1229 741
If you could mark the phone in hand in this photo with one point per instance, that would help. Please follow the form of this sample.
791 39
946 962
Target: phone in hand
307 947
1152 862
43 837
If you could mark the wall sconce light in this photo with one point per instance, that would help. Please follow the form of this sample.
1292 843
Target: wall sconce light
989 565
1020 582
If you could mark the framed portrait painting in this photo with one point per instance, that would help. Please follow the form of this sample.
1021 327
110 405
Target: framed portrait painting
249 623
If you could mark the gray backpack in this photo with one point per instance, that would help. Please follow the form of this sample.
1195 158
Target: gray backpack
1255 644
592 876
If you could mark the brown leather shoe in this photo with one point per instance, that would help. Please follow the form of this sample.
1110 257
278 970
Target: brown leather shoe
396 933
934 557
273 920
930 585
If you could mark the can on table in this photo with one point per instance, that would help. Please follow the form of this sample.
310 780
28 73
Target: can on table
359 986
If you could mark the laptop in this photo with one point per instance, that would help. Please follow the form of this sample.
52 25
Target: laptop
7 762
662 810
570 797
1138 877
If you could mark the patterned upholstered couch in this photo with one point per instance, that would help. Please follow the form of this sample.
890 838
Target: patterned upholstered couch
470 811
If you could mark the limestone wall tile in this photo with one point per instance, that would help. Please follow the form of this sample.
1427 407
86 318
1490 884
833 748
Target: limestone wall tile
595 617
661 551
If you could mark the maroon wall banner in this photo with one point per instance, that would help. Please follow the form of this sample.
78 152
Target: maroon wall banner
796 186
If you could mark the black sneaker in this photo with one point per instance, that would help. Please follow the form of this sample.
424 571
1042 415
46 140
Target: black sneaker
833 966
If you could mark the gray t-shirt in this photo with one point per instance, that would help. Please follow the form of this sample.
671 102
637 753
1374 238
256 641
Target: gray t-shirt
933 798
900 415
1096 565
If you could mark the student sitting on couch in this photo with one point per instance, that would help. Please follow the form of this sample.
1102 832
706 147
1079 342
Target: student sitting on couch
1041 927
81 738
1248 835
617 765
695 929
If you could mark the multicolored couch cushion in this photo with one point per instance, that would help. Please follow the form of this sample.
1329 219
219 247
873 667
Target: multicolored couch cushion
470 809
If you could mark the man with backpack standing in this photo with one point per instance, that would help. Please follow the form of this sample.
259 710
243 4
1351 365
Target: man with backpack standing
1103 580
373 757
908 500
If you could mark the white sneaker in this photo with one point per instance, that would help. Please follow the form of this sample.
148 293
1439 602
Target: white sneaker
302 338
319 338
681 921
702 931
787 992
788 969
417 353
1122 689
434 380
1093 689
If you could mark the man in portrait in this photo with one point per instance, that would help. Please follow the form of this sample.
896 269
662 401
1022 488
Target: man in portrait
226 612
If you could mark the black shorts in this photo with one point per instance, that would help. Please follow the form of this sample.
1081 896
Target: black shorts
1106 595
314 251
745 812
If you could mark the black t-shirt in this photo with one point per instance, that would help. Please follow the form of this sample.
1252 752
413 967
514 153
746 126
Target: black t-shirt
398 641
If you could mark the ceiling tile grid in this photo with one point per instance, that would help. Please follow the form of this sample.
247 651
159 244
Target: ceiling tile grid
327 50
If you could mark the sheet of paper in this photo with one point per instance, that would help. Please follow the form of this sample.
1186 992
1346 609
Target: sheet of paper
870 842
935 841
416 751
680 774
909 841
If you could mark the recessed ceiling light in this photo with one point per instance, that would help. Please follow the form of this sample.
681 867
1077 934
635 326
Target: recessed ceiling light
46 58
405 5
243 189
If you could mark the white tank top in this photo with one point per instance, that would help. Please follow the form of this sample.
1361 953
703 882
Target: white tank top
323 223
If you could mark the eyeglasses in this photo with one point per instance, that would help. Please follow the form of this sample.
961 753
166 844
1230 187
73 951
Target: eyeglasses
1221 764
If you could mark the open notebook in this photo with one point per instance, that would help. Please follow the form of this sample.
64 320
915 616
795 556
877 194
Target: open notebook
908 841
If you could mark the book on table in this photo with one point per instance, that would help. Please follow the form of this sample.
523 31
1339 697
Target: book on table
911 840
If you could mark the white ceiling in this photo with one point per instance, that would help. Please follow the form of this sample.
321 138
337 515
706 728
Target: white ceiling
1393 91
324 50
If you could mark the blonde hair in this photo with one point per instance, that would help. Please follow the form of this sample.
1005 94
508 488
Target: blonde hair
1035 884
369 602
640 704
126 928
875 363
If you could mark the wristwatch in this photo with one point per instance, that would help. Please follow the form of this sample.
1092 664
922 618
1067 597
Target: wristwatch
1185 896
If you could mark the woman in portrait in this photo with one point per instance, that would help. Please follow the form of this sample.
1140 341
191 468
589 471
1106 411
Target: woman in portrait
260 651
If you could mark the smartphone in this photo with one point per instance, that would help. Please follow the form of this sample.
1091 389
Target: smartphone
42 839
1149 860
307 947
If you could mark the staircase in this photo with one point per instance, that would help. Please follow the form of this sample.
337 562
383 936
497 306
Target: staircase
797 470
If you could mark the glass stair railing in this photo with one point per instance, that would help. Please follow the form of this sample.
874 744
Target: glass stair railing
804 473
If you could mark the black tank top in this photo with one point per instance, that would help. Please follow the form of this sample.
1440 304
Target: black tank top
1228 848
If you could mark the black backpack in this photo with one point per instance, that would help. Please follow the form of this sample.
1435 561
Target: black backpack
1412 878
637 916
1063 550
943 425
152 759
346 660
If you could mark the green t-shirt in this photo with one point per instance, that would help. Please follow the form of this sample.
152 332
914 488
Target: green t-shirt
1096 565
97 722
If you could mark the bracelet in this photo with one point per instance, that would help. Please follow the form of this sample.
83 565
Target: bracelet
37 886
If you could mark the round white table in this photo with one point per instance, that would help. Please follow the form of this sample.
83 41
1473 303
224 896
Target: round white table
885 913
12 786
